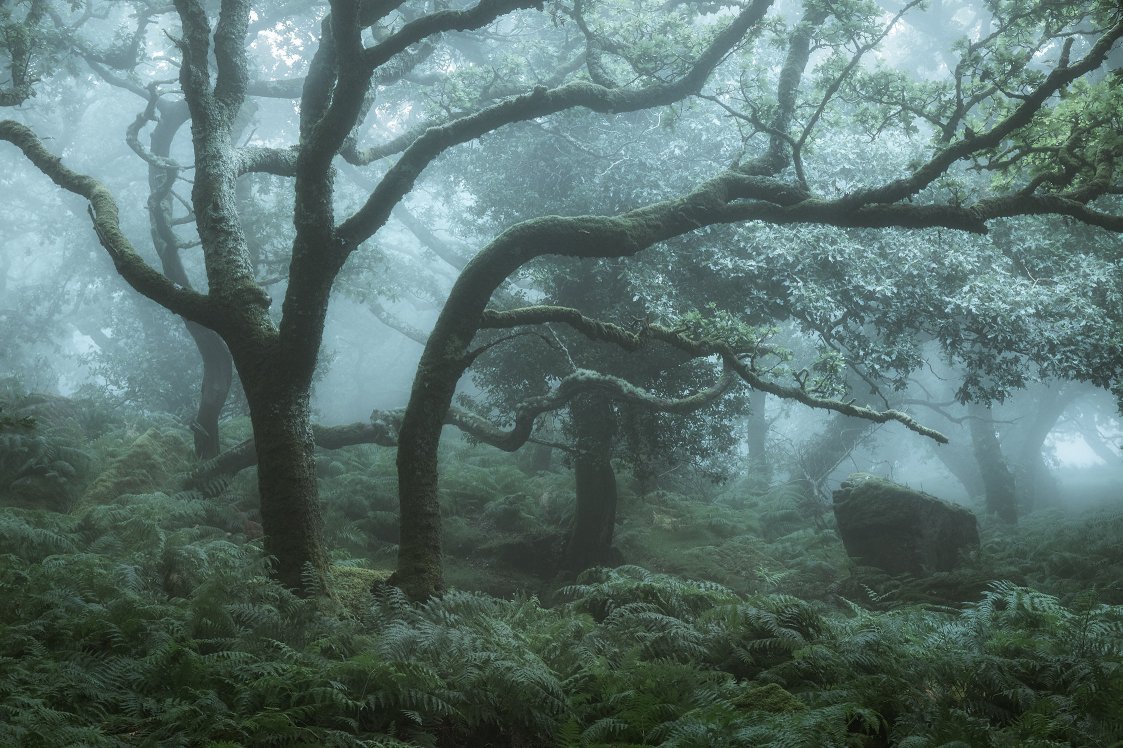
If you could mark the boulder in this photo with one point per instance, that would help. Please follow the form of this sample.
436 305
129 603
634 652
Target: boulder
899 529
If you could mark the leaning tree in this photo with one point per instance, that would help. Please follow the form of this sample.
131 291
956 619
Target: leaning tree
1016 102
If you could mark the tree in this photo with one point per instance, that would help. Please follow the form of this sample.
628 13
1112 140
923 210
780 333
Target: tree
1000 109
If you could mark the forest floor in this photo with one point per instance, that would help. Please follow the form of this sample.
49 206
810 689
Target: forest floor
137 614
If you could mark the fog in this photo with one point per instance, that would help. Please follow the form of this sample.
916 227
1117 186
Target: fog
74 326
610 372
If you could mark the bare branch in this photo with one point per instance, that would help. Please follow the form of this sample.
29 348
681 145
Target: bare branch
579 382
733 359
539 103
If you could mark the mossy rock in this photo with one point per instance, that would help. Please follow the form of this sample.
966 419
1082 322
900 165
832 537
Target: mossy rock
147 465
770 698
351 586
899 529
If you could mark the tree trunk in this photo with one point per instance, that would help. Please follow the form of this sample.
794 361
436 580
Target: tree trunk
286 477
218 376
756 436
218 368
590 541
998 480
1039 485
419 573
963 466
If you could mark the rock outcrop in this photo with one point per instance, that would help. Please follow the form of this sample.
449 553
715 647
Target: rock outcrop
901 530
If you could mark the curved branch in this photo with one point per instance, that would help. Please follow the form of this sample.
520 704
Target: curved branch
382 430
370 154
103 210
391 320
539 103
440 22
579 382
731 358
347 76
838 406
132 135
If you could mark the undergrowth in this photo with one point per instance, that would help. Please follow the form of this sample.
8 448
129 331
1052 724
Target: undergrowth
148 618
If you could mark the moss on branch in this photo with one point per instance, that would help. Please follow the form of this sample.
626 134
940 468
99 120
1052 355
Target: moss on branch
104 214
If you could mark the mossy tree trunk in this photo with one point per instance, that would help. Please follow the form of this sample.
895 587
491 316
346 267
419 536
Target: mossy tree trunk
419 572
594 521
218 367
286 476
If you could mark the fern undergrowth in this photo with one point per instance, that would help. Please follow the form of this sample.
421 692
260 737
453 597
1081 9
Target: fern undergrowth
148 618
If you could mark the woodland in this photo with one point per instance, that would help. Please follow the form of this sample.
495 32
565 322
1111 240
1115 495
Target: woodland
439 373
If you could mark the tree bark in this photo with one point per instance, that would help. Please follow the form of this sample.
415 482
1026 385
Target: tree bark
419 573
998 480
286 477
218 367
590 541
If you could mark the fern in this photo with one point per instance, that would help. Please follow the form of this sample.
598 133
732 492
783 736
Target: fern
39 471
148 619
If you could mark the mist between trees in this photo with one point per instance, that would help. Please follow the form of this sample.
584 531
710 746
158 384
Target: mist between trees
721 239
